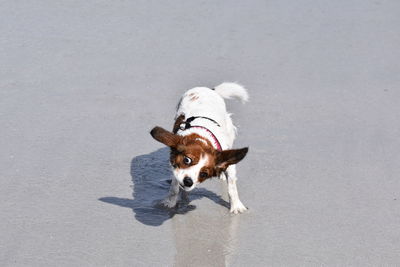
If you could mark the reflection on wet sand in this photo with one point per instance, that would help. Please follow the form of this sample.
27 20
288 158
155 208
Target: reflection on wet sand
207 238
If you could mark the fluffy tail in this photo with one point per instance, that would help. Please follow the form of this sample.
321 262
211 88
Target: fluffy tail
232 90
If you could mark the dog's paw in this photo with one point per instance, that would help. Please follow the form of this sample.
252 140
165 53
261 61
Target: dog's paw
237 208
168 203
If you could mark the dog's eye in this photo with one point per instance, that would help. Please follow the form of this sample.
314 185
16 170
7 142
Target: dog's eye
203 175
187 160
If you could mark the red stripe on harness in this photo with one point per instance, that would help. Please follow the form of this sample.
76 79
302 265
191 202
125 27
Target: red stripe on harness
216 142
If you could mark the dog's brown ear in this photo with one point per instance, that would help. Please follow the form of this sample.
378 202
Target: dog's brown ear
229 157
165 137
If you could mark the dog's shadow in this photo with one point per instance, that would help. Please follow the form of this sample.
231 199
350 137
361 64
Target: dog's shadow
151 177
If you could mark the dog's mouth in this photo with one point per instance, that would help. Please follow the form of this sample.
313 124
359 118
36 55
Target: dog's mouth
186 188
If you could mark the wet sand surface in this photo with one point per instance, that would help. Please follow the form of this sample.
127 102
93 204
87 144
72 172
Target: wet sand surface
82 83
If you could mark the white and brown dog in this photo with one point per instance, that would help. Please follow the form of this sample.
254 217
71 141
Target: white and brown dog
201 141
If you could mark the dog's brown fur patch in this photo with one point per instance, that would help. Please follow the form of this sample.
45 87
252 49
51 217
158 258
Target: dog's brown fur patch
178 123
195 147
193 97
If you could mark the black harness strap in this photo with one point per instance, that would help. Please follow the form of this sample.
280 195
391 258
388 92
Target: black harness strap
189 120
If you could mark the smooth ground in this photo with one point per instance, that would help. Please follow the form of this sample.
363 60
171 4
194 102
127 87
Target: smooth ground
83 82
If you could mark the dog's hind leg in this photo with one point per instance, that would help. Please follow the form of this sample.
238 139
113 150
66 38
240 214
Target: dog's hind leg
236 205
170 200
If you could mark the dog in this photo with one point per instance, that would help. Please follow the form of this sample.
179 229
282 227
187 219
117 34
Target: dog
201 141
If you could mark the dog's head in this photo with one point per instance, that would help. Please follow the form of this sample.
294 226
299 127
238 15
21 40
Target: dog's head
194 159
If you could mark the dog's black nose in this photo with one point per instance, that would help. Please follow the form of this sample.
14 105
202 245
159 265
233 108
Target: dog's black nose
187 181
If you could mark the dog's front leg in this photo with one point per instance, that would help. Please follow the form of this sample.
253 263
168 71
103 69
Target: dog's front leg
236 205
170 200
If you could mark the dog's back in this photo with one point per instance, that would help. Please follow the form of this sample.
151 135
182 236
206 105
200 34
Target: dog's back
206 102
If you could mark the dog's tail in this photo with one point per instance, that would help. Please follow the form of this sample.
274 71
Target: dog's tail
232 90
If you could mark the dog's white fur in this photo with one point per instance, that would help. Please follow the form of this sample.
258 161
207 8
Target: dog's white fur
202 101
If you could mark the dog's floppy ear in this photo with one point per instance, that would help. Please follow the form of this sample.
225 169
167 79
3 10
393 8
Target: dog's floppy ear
229 157
165 137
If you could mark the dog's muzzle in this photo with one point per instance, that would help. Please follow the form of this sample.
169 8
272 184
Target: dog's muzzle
187 181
